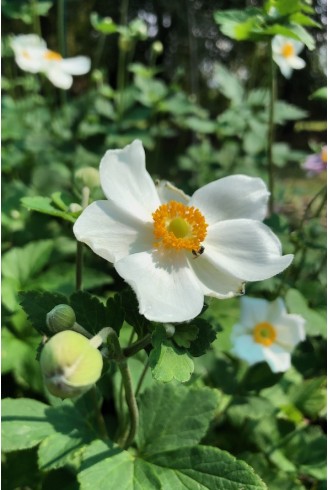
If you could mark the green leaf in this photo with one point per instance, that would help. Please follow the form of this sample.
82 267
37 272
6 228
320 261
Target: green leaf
75 427
24 423
37 304
310 396
20 470
188 468
206 335
167 362
184 334
287 112
43 205
315 323
90 312
172 417
240 24
23 263
228 83
200 125
132 315
105 25
320 93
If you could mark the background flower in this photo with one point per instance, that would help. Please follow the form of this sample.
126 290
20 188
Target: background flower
32 55
266 332
317 163
285 51
174 252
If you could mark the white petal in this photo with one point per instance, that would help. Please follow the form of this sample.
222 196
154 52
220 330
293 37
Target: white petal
27 41
245 348
110 232
30 60
290 331
276 310
58 77
168 192
278 359
284 66
125 180
246 248
79 65
166 287
236 196
298 46
214 280
296 63
277 43
253 311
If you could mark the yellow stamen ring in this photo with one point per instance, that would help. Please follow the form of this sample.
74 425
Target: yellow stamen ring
52 56
264 333
287 50
179 227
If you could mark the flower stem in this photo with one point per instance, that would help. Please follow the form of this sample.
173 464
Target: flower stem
117 354
137 346
36 18
79 246
100 419
271 129
142 377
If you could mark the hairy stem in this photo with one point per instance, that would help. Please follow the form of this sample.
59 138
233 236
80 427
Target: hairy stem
142 377
137 346
117 355
271 129
79 246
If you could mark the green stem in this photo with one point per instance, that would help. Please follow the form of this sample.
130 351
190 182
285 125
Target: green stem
122 60
142 377
100 419
36 19
271 129
117 354
121 391
137 346
79 246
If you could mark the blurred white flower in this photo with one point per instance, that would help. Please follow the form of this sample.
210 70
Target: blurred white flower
32 55
172 249
285 51
266 332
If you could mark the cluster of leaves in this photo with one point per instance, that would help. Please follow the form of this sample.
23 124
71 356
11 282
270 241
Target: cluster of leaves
261 418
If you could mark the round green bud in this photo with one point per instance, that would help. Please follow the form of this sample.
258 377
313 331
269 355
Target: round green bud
89 176
70 364
61 317
125 43
157 47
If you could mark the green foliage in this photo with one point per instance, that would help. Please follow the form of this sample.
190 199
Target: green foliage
168 362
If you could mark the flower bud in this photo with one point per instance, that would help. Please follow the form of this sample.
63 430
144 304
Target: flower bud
61 317
70 364
89 176
157 47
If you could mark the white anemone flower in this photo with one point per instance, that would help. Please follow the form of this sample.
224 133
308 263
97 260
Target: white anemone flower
32 55
266 332
284 52
171 249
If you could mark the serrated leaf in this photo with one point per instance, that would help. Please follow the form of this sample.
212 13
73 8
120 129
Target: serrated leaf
206 335
315 323
228 83
23 263
37 304
174 416
287 112
310 396
43 205
184 334
132 315
75 427
187 468
24 423
90 312
167 362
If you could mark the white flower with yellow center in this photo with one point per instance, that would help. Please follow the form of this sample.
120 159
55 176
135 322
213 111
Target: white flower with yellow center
32 55
284 52
266 332
172 249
